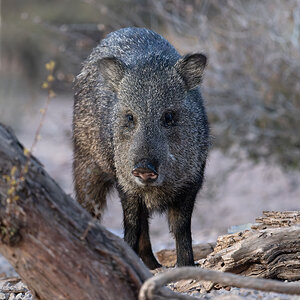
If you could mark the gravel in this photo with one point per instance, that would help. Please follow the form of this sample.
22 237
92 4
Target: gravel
13 288
237 293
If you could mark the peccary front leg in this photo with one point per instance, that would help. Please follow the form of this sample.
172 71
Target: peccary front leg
179 217
131 221
145 249
136 229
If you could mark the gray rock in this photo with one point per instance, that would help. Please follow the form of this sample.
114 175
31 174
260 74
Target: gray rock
11 296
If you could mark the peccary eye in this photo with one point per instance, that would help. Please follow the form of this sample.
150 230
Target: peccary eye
129 121
129 118
169 118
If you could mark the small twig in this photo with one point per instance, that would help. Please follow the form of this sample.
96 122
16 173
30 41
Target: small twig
151 287
14 291
46 85
27 152
13 180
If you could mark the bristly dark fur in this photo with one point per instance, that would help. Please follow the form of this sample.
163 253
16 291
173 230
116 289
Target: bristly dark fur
127 86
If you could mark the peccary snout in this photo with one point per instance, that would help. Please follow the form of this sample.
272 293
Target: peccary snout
145 171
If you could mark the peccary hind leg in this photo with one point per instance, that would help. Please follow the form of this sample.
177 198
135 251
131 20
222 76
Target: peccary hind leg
136 229
179 217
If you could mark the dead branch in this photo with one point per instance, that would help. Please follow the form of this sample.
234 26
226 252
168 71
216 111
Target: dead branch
150 289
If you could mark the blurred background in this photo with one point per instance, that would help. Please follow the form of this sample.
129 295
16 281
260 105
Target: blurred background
251 90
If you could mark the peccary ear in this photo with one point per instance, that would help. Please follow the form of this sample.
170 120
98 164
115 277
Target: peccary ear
112 70
191 67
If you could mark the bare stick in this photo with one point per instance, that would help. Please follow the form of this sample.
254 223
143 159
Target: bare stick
150 289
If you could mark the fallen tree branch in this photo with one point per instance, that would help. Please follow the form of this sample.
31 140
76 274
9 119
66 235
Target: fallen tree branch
44 236
151 288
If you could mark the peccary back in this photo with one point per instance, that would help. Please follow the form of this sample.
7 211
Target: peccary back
139 124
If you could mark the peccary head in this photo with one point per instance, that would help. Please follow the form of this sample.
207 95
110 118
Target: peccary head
160 128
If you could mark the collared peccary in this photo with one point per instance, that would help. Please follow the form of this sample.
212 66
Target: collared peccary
139 125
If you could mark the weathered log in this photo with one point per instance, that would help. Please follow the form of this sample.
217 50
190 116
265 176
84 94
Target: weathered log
275 219
269 250
167 257
59 251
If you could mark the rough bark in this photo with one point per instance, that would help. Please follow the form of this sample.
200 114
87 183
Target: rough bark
269 250
59 251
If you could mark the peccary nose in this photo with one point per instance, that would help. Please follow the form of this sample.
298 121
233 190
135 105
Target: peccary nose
146 171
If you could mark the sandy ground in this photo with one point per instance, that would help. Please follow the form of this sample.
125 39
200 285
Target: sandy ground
235 192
